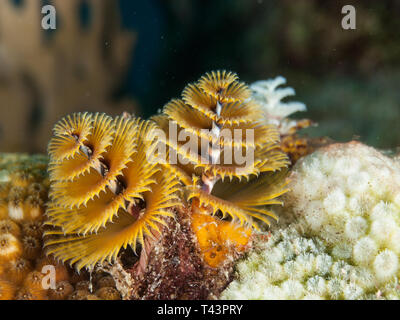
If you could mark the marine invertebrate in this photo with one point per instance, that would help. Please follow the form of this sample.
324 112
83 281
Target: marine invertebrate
216 111
23 177
32 229
362 191
17 270
344 205
268 94
101 289
105 195
8 226
32 247
294 266
62 291
10 247
27 294
23 186
218 239
33 283
271 96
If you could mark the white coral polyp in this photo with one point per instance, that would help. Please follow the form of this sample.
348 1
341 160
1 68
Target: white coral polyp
352 291
386 265
364 251
381 210
382 230
355 228
334 202
342 251
345 167
358 182
292 289
315 220
355 204
316 286
323 263
394 242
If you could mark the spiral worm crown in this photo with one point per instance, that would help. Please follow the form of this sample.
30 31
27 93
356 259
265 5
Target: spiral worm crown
105 195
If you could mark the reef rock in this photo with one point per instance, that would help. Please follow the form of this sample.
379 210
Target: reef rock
175 267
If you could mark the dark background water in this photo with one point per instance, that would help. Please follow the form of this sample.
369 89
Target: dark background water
349 79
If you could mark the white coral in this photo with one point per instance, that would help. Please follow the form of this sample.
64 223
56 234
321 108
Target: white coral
344 240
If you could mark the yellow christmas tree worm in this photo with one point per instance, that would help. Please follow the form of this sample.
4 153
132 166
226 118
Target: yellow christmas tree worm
105 194
227 157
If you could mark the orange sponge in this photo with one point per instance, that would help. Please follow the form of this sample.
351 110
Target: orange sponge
218 238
